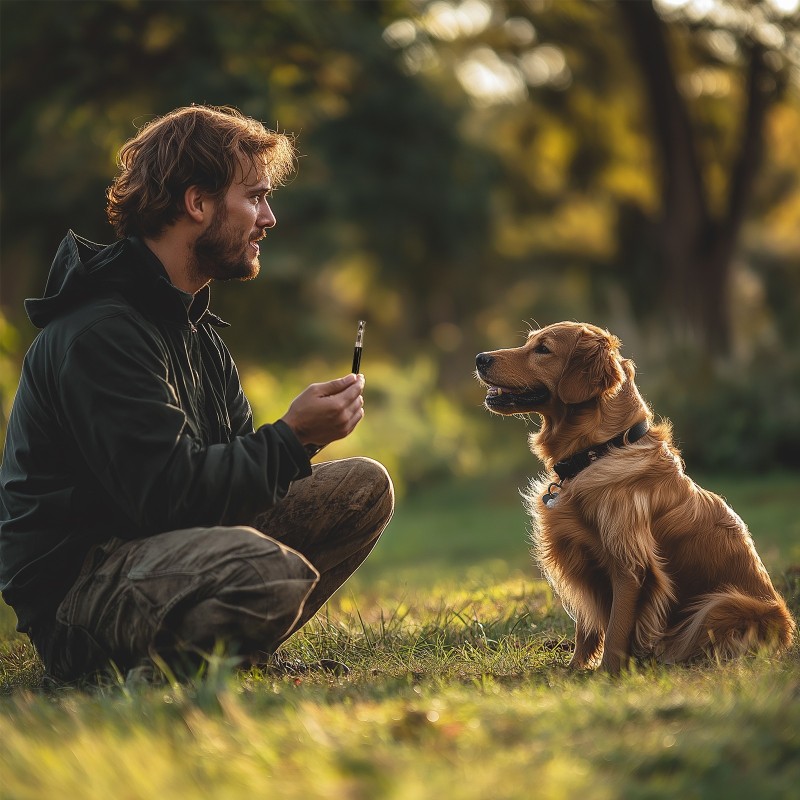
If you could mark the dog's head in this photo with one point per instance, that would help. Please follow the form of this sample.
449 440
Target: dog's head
566 363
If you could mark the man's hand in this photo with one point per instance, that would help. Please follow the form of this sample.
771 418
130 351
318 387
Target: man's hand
325 412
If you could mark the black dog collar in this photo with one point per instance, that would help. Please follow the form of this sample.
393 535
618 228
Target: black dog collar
570 467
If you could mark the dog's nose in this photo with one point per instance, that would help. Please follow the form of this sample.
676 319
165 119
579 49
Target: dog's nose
483 360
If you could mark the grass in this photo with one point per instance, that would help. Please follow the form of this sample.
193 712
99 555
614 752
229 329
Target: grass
458 688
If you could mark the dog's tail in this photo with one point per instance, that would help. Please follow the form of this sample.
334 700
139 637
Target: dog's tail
727 624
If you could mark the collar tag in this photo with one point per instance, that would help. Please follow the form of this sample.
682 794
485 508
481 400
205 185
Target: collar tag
549 499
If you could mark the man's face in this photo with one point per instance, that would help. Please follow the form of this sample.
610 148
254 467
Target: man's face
228 248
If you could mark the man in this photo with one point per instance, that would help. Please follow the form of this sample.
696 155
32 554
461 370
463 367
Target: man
140 512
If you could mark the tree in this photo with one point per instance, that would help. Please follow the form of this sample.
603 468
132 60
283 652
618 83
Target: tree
386 187
696 244
594 85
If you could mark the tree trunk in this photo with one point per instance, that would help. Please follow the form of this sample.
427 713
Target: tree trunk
696 249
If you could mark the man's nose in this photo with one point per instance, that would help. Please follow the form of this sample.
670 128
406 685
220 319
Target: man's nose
266 219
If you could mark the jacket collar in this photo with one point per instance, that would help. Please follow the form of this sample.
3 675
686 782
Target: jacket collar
169 300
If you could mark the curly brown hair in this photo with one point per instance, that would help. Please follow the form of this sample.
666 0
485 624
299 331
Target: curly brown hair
198 145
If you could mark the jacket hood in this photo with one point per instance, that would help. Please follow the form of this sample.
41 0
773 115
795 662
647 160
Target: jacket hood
81 268
76 261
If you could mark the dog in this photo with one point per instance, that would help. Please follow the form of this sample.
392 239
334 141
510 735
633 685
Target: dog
647 563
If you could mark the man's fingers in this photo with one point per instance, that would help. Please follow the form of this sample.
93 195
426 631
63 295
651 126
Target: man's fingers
339 385
355 417
325 412
350 407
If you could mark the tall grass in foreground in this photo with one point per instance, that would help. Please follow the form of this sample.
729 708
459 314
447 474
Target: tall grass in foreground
455 693
458 688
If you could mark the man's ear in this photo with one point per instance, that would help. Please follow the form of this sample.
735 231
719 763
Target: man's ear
593 369
197 204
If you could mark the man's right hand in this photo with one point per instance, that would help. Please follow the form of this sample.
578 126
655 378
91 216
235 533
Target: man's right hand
325 412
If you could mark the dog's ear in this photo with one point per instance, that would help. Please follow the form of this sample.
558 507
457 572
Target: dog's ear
593 369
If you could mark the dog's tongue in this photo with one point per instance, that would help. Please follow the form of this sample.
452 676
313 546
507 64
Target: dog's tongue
494 391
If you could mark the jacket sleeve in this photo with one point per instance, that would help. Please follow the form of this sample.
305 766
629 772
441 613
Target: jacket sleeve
239 411
123 414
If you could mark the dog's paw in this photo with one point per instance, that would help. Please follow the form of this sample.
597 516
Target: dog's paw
580 665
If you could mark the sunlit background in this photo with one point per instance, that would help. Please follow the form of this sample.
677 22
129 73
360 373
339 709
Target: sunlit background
468 170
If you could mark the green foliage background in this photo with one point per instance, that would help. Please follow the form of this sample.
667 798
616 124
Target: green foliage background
451 210
447 219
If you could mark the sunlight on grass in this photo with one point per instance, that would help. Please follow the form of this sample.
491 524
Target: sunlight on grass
458 687
682 732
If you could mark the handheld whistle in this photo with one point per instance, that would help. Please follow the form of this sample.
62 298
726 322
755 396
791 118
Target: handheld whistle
358 347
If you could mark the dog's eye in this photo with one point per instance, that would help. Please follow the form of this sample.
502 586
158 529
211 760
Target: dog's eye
541 348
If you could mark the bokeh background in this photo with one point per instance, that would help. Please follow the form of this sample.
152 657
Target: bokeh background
468 169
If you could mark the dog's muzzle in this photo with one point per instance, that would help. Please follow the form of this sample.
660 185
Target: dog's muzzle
507 399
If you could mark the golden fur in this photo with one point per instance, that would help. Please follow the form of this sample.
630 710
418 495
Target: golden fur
645 561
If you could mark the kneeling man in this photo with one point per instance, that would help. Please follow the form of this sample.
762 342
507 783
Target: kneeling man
140 512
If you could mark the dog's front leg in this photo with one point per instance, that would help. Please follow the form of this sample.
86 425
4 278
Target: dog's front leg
625 587
588 642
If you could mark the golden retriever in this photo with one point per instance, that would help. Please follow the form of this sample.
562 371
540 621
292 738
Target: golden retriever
645 561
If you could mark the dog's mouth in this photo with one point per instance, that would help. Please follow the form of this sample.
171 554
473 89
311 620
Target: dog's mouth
503 400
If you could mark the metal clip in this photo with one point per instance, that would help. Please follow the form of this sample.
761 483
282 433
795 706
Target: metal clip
550 497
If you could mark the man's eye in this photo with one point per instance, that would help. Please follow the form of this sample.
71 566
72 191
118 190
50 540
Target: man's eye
541 348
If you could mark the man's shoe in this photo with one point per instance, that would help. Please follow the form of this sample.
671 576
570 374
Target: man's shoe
145 674
281 665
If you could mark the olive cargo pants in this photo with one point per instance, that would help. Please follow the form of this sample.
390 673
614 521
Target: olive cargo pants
179 593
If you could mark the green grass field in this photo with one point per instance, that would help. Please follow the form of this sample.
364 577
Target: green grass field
458 689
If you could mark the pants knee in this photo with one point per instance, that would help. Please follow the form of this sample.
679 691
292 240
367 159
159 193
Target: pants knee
253 598
374 484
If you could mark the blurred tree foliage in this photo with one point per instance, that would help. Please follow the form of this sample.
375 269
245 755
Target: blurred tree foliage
645 125
386 187
465 167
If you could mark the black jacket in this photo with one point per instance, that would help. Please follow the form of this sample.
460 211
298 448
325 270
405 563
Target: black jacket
129 420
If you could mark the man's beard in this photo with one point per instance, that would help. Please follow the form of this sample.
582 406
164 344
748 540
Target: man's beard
218 253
